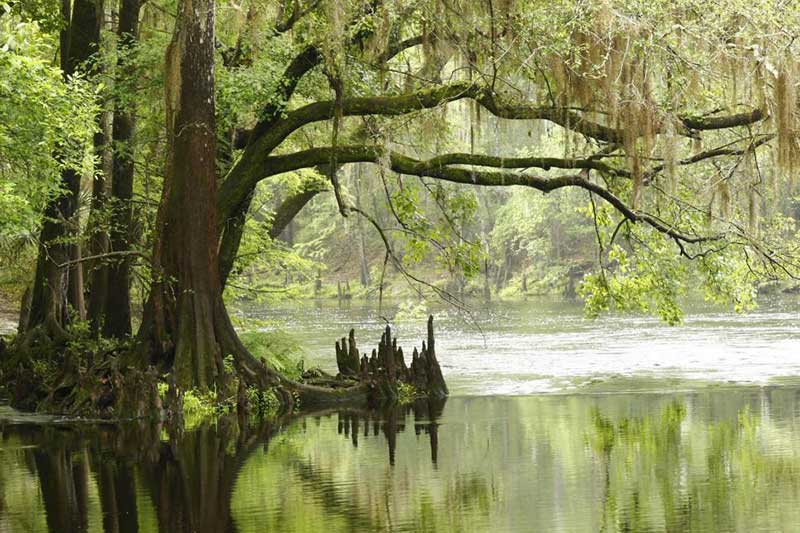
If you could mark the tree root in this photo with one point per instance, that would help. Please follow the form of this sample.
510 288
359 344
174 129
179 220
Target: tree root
55 371
375 380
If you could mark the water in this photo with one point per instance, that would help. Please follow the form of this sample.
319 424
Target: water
598 445
548 346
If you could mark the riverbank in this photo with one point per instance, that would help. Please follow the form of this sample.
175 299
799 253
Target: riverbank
84 376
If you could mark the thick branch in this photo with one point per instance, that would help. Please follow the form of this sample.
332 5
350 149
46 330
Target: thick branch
271 133
396 47
721 123
306 60
284 24
265 140
232 192
353 154
303 62
441 168
430 98
289 208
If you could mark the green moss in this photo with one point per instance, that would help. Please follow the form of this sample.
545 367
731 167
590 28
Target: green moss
407 393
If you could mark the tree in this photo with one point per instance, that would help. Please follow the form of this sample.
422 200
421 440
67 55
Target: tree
185 319
117 304
58 283
39 113
663 123
619 96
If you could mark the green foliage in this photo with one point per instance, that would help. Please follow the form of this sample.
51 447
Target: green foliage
40 116
198 405
407 393
264 267
626 64
83 342
440 229
410 310
278 349
44 370
263 402
649 282
46 13
729 280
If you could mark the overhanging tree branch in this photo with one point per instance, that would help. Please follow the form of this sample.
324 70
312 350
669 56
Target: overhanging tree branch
396 47
442 167
265 139
723 122
296 12
722 151
429 98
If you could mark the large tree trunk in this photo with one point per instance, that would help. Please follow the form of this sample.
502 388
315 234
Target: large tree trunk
185 321
186 291
118 301
55 285
49 296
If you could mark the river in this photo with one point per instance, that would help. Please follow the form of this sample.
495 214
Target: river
555 423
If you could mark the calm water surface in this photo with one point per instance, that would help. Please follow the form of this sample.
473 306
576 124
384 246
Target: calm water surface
547 346
555 424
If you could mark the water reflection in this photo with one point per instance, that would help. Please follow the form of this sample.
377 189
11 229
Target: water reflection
712 460
187 477
93 479
391 420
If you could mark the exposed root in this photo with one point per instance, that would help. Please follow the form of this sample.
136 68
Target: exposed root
52 370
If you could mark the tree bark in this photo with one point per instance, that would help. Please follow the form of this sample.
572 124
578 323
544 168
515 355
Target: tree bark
232 238
118 301
185 321
97 271
186 291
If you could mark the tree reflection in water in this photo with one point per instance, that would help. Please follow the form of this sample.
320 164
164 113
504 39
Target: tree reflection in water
391 420
189 476
720 460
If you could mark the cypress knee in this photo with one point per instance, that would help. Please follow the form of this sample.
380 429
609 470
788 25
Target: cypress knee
386 366
353 361
436 385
